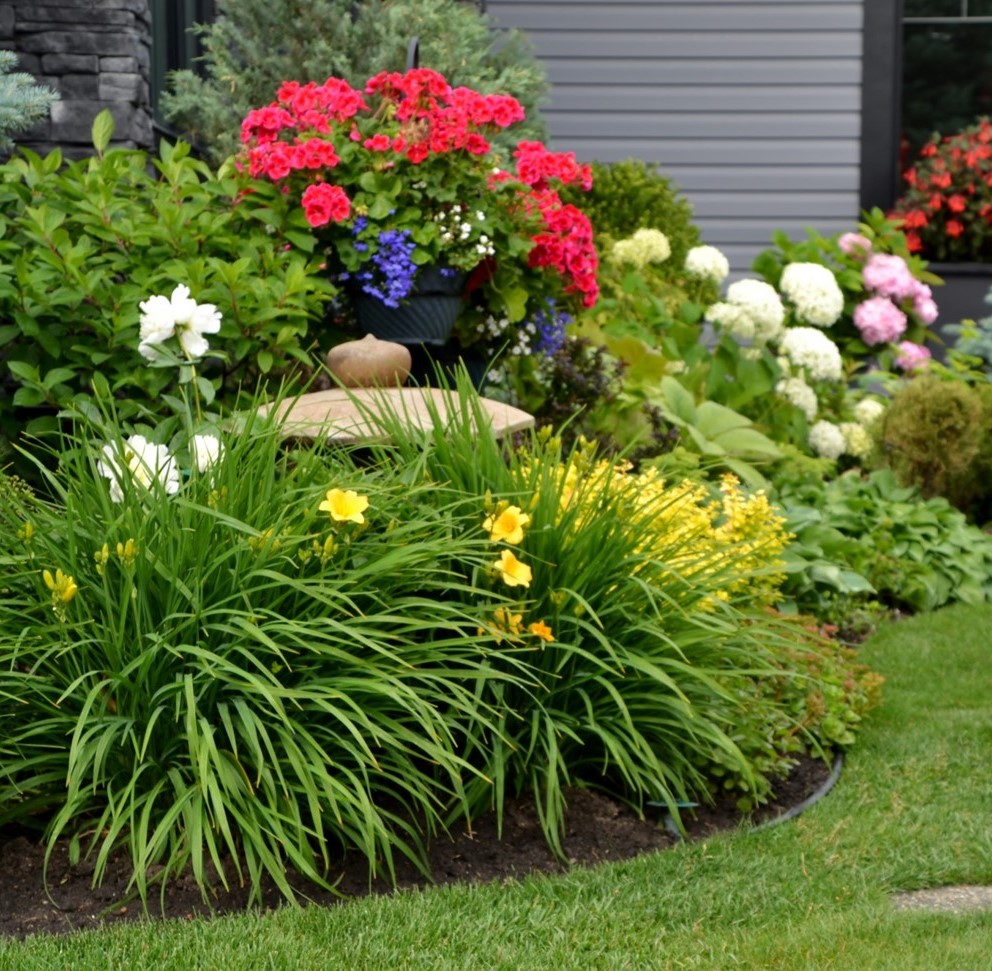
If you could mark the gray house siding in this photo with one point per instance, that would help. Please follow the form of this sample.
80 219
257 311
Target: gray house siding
752 108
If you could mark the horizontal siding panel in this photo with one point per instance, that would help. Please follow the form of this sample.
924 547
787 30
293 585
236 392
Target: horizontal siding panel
730 71
696 44
725 125
772 205
692 16
759 232
685 97
758 178
687 151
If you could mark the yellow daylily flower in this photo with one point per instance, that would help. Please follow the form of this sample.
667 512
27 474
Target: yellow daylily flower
63 588
541 630
507 526
513 572
345 506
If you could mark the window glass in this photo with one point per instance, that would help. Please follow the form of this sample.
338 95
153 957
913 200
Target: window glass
947 79
932 8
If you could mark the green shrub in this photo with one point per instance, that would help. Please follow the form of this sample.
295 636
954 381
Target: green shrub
22 102
936 434
82 245
339 38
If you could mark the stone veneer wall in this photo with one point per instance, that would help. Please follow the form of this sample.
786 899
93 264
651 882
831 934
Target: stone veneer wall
95 53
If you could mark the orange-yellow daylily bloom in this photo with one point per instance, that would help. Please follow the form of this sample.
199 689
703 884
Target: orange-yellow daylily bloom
507 526
345 506
513 572
541 630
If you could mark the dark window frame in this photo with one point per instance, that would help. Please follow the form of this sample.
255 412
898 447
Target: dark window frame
881 102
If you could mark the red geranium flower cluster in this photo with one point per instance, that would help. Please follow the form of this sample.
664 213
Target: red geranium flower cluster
414 158
946 211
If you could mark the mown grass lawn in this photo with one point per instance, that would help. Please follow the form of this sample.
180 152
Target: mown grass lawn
913 809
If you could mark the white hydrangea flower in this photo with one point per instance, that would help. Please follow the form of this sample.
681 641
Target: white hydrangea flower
814 293
762 304
812 350
731 319
645 246
707 262
797 392
857 439
180 316
205 450
868 410
827 440
142 461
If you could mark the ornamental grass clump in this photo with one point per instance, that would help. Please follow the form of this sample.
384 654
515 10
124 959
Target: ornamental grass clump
245 668
654 602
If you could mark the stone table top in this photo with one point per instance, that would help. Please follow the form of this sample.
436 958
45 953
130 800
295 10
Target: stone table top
350 415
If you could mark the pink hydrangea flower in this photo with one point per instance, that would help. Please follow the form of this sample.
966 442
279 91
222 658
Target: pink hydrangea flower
924 306
889 276
879 320
854 244
912 357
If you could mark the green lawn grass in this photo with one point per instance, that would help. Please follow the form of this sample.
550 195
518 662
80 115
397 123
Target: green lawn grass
912 809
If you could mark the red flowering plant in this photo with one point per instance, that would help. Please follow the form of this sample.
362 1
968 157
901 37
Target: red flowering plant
946 211
409 172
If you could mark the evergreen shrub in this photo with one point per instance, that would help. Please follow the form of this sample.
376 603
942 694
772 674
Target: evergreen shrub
255 45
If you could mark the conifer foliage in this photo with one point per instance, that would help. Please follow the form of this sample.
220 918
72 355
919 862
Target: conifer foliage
254 45
22 101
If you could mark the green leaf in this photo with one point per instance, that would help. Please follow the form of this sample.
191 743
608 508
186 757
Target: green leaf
265 361
678 401
102 130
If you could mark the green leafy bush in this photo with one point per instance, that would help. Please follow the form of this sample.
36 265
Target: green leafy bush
914 553
322 38
936 435
82 244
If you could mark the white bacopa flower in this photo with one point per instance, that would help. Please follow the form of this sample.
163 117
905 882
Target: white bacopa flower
812 350
707 262
205 450
813 291
827 440
762 304
142 461
868 410
857 439
797 392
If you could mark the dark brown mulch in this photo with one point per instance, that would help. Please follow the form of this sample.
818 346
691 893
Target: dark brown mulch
598 830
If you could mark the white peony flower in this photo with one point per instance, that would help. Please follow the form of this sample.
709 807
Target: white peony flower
813 292
205 451
708 262
868 410
762 304
797 392
827 440
142 461
812 350
857 439
180 316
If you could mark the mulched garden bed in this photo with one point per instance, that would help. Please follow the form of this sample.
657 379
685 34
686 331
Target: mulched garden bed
598 830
